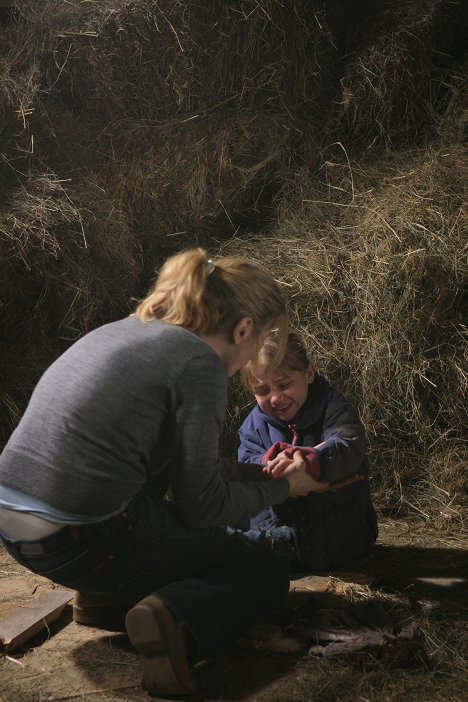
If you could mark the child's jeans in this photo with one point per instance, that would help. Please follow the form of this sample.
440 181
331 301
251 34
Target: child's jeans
218 581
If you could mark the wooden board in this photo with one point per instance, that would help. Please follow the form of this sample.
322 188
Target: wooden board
336 581
28 619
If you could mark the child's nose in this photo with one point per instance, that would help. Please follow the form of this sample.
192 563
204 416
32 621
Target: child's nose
276 398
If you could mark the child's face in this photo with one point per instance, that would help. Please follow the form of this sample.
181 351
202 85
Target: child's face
282 392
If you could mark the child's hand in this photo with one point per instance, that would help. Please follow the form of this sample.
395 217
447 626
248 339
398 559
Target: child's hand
277 466
277 461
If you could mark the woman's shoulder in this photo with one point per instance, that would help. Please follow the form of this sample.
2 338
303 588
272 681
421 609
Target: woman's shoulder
155 349
170 338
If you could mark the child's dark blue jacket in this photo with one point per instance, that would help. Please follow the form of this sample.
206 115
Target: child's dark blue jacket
336 527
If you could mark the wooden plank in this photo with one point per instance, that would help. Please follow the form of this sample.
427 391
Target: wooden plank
28 619
6 608
335 581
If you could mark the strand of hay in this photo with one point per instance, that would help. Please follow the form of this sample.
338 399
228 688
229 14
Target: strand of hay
20 80
452 127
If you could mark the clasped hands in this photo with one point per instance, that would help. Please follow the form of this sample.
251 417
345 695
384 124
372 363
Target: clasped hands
300 476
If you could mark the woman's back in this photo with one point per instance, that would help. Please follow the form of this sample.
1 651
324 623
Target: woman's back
98 423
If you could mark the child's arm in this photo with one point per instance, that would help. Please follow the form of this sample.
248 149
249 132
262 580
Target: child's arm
251 449
342 451
278 467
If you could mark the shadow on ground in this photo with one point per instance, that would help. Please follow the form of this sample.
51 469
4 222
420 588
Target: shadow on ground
440 574
236 674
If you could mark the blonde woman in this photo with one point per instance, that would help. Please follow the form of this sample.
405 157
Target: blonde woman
132 410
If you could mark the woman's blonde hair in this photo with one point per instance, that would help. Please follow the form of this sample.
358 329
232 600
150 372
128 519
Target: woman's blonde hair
207 296
294 358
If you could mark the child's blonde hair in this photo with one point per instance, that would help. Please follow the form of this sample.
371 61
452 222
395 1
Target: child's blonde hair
294 358
207 296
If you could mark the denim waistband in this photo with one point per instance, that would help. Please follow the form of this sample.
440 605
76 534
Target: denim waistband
69 534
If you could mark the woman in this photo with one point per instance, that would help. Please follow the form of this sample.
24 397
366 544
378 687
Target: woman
131 410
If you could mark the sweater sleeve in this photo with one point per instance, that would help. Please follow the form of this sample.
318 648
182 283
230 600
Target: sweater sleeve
344 440
202 495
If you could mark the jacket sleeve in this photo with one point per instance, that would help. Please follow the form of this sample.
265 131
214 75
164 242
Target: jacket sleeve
203 497
251 448
344 439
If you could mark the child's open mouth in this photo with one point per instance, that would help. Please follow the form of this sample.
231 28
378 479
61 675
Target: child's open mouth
283 408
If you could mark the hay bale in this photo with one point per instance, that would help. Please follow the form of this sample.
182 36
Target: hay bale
69 261
182 181
148 60
395 82
86 193
372 257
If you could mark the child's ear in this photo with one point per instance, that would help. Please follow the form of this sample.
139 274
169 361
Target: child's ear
310 373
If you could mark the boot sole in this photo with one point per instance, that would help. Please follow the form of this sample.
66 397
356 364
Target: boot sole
160 639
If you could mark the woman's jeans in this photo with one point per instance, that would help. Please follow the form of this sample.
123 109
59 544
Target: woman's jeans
218 581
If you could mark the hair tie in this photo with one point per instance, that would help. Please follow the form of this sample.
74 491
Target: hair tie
210 266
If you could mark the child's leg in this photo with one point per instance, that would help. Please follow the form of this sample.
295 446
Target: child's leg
338 528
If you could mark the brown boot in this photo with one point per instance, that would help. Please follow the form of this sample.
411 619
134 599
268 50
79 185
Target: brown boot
100 610
162 642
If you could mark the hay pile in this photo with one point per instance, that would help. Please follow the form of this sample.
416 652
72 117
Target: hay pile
400 75
129 130
371 258
324 139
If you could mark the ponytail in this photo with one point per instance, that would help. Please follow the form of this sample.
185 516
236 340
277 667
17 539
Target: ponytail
206 296
178 294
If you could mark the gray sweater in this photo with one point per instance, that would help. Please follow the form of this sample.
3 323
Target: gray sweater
133 407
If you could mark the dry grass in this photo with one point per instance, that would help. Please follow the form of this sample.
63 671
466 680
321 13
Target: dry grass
374 268
69 258
148 60
179 178
397 82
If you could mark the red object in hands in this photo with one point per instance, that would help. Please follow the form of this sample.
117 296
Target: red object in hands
310 456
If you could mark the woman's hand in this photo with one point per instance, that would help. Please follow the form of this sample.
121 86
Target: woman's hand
300 484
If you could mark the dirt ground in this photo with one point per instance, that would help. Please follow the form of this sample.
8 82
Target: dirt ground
417 574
